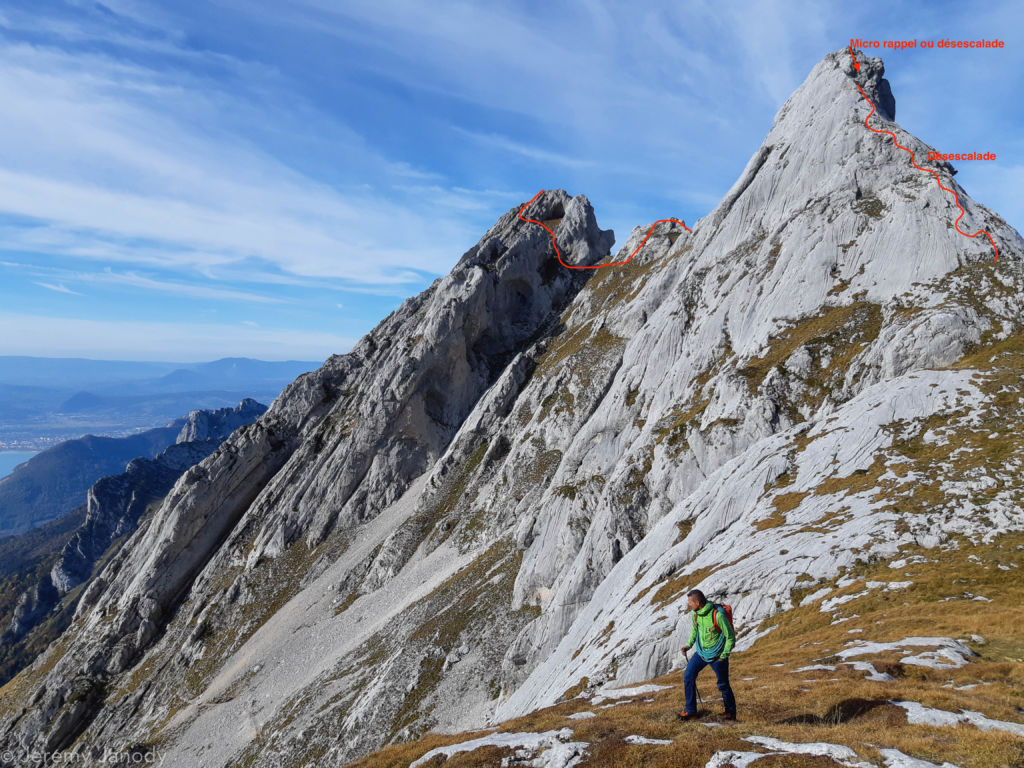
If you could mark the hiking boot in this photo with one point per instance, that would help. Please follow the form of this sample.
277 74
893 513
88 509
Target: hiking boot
686 716
729 716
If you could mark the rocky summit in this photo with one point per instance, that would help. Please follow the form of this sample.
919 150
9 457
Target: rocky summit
494 505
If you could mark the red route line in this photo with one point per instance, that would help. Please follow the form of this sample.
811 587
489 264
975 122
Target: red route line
594 266
956 198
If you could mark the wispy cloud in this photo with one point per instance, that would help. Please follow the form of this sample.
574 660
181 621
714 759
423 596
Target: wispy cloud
123 155
60 288
619 99
517 148
181 289
133 280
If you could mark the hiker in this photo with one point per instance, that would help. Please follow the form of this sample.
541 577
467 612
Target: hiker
714 636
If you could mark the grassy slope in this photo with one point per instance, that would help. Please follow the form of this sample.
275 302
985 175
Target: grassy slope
841 706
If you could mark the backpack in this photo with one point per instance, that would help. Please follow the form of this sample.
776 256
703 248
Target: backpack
714 615
728 615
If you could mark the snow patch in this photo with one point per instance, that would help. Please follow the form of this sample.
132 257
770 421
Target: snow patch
558 752
734 759
644 740
622 693
844 618
949 653
738 759
828 605
838 752
815 596
873 674
896 759
918 714
581 715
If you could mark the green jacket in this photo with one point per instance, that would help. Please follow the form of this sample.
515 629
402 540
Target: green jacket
711 645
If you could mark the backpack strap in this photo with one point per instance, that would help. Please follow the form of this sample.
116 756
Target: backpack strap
714 616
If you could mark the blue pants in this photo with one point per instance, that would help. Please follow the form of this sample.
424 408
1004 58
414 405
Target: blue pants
693 668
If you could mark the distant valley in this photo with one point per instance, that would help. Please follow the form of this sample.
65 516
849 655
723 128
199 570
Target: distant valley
45 401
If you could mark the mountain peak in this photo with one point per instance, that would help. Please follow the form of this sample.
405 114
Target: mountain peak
505 491
218 424
831 210
831 87
869 76
511 239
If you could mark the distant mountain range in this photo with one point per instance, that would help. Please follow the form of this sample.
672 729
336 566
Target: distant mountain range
45 401
43 571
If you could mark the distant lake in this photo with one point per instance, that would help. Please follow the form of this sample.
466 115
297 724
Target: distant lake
10 459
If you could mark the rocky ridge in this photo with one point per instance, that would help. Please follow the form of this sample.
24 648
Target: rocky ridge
336 447
114 506
496 500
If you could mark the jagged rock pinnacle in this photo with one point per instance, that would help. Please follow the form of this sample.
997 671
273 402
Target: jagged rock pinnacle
495 498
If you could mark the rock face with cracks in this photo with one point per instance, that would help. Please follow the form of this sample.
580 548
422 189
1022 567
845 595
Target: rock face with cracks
501 495
114 506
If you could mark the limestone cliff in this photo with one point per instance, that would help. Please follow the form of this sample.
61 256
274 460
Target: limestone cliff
499 497
114 506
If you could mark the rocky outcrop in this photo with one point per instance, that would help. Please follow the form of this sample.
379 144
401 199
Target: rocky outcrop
54 481
339 444
202 425
114 506
499 496
33 605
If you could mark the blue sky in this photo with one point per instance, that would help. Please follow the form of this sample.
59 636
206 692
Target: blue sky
190 180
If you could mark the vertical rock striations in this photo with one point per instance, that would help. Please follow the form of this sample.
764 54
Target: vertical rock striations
336 447
114 506
499 497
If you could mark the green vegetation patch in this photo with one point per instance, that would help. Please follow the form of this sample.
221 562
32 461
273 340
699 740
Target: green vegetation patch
833 338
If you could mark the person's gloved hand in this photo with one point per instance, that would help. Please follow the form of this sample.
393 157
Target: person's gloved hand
724 657
686 648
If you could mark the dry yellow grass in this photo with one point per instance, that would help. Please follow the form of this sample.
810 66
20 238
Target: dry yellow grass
842 331
839 707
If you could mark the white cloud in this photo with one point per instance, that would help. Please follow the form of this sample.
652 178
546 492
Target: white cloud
134 280
620 101
181 289
26 334
60 288
533 153
113 160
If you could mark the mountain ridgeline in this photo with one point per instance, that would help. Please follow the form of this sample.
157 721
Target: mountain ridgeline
46 401
499 498
46 571
52 482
